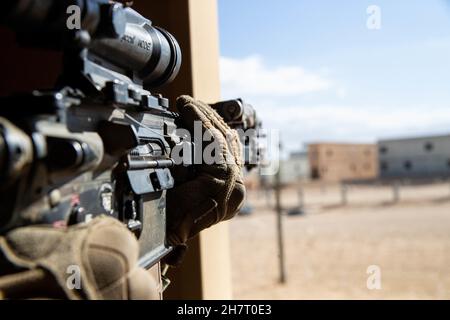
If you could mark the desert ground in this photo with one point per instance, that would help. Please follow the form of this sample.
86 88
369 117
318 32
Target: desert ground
329 249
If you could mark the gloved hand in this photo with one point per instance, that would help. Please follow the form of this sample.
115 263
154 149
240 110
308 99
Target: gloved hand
217 191
42 261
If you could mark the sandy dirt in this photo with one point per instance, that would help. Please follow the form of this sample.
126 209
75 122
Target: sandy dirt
329 249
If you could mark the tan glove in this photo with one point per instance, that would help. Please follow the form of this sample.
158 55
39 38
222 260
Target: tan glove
217 191
41 261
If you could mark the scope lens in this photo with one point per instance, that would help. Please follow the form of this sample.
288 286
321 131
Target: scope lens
147 54
170 60
150 53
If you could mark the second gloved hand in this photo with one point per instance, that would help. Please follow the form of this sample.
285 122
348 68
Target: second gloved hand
217 191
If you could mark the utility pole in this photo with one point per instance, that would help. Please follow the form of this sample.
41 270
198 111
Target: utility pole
344 189
396 191
301 196
278 208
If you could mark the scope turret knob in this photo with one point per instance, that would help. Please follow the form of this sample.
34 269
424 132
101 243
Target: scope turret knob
113 20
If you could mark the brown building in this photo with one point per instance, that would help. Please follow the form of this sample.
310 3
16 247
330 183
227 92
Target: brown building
336 162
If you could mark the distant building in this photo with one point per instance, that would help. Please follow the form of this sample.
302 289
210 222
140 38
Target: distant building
334 162
296 168
425 157
293 169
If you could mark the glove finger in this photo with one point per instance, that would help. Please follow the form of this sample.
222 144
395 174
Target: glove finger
215 119
197 197
190 114
214 149
176 256
192 110
233 145
230 135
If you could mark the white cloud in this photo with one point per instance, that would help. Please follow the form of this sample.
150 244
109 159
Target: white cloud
264 87
342 123
341 93
250 76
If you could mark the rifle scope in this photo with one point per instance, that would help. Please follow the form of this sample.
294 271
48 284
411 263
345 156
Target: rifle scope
108 30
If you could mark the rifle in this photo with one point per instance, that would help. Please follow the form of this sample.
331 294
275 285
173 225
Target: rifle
101 142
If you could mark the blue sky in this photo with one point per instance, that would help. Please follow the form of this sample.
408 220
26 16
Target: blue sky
317 73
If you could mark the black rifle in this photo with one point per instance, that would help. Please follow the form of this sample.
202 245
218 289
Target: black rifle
101 142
